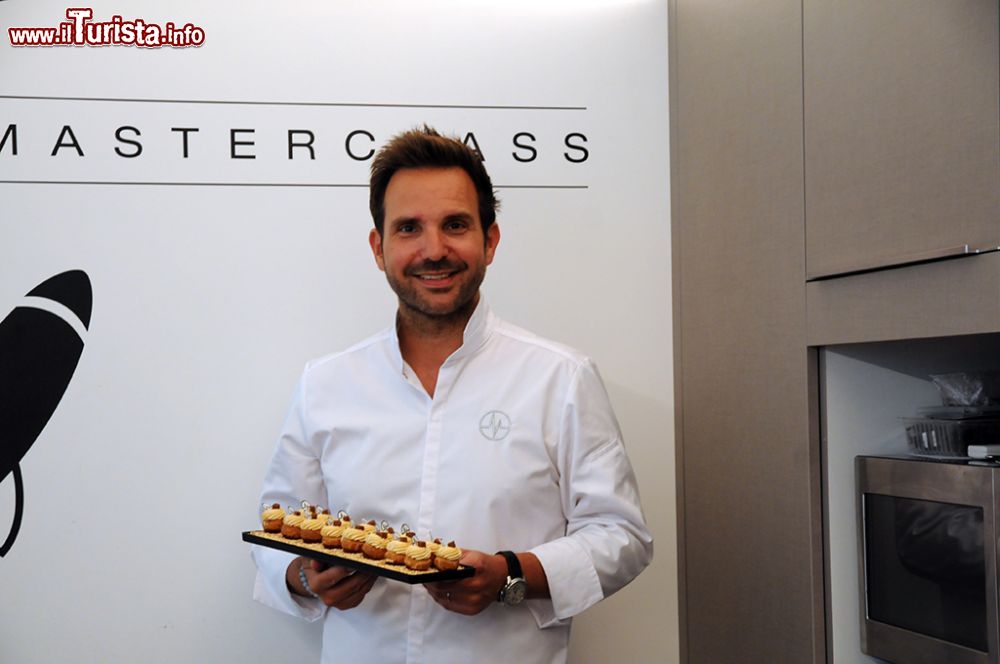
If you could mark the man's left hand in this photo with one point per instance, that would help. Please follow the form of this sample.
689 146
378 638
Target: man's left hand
470 596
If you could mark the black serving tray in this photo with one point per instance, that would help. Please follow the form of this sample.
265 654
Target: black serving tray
354 560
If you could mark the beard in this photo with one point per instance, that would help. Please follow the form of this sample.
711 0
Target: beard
458 308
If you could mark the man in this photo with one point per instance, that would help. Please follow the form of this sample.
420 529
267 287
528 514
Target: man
460 425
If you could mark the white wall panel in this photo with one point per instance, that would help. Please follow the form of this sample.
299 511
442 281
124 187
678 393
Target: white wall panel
215 279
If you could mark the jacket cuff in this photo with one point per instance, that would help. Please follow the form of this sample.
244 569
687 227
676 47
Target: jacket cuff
572 579
270 588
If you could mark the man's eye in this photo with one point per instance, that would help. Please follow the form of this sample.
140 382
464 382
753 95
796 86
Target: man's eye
406 228
457 226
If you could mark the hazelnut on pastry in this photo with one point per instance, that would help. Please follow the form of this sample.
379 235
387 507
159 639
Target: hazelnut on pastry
395 550
331 534
418 556
310 528
447 557
374 546
272 517
290 526
352 539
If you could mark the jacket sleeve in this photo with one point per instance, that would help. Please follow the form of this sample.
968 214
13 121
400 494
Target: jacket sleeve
607 543
293 475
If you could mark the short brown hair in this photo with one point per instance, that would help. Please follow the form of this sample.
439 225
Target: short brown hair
426 148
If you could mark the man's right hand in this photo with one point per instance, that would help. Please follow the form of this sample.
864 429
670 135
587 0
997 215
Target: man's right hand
338 587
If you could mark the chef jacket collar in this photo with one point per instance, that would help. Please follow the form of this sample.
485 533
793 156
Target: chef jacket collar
477 331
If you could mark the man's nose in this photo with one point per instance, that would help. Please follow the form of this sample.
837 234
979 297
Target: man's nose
435 245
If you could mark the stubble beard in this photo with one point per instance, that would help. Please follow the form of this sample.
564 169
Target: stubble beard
424 315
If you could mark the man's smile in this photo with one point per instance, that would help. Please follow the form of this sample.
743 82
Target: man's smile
437 275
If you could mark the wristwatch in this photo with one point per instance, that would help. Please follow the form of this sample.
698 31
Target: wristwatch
516 588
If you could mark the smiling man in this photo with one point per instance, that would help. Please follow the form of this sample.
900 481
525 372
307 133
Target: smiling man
461 426
438 250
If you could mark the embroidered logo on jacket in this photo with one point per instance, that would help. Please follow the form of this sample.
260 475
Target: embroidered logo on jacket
494 425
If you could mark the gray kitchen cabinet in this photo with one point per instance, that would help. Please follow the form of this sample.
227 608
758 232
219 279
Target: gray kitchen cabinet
822 152
901 131
749 534
941 299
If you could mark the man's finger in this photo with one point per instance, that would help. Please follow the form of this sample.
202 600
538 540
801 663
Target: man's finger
351 596
330 577
354 583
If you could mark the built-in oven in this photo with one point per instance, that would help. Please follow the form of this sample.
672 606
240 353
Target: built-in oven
927 551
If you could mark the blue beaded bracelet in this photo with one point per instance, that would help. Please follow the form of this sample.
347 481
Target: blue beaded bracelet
305 582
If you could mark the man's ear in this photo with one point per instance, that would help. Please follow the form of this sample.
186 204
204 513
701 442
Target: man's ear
492 240
375 240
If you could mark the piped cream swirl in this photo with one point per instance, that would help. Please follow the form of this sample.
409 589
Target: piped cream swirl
376 540
418 552
312 524
334 529
397 546
354 534
273 514
449 552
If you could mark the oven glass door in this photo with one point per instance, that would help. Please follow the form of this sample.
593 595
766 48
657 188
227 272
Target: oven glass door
926 570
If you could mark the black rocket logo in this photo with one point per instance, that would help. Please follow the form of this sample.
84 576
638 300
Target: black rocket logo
39 351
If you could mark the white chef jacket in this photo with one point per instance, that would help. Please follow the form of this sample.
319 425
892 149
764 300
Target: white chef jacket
518 449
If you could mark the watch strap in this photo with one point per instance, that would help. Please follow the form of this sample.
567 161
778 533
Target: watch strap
513 564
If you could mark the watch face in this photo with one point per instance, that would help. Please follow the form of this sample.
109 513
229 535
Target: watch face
515 592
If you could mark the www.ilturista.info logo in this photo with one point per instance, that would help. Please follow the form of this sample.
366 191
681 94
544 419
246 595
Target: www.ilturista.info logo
81 30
